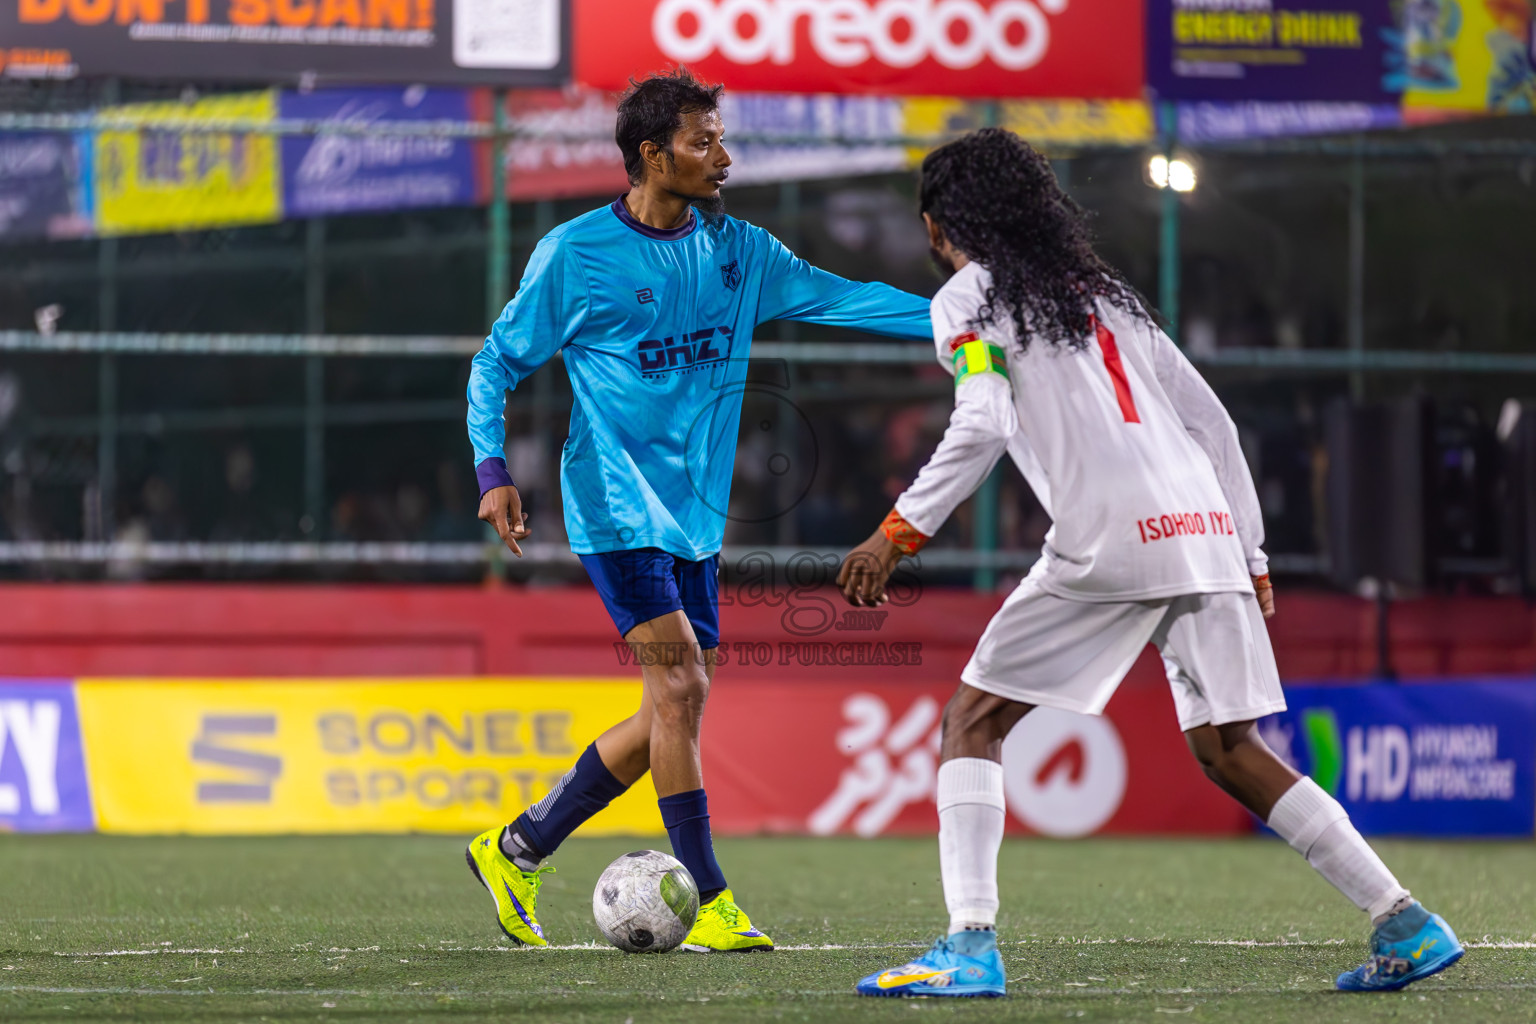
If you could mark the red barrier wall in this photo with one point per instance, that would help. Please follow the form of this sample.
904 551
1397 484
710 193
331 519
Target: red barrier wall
240 630
855 744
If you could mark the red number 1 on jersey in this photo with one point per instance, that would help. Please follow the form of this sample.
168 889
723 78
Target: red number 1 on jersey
1116 370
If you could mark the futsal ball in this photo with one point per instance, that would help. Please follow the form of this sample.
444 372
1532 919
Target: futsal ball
646 902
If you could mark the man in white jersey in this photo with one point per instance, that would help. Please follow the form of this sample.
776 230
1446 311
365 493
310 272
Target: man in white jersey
1155 538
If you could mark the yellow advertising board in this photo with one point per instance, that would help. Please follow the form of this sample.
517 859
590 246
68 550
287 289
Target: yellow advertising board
1469 56
154 178
324 756
1042 123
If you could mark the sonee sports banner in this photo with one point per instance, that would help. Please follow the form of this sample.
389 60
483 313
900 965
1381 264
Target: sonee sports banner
502 42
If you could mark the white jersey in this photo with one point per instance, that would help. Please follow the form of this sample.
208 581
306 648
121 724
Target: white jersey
1131 454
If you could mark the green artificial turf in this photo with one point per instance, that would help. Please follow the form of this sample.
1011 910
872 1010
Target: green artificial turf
395 929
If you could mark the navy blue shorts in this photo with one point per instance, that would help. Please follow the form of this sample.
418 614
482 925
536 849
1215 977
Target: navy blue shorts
646 583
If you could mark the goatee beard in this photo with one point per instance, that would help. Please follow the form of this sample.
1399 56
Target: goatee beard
711 208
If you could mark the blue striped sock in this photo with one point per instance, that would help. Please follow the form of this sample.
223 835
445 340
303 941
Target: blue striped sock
584 790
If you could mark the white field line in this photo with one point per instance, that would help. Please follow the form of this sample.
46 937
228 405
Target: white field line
1017 989
593 947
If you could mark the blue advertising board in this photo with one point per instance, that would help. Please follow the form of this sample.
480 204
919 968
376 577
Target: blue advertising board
325 174
1231 122
44 185
1431 759
43 786
1300 50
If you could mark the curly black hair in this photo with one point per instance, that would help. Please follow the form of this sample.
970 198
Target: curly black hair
652 110
997 200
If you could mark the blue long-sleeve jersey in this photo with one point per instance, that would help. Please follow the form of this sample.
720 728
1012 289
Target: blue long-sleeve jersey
655 327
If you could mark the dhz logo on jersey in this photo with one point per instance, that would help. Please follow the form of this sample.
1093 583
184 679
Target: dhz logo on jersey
730 274
684 352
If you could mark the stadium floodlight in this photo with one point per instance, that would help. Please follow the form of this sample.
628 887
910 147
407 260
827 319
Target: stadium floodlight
1178 174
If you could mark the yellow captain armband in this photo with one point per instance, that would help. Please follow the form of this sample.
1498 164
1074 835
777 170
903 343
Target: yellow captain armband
976 357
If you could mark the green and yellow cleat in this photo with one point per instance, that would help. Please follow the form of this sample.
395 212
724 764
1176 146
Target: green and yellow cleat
516 892
723 927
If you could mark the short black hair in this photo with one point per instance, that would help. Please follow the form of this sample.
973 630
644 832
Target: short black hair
653 109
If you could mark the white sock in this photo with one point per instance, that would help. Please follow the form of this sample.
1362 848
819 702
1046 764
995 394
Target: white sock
1319 829
971 809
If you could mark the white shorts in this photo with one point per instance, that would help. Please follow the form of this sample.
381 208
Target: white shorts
1058 653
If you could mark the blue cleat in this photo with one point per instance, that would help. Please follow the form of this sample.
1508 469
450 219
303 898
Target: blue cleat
945 971
1408 947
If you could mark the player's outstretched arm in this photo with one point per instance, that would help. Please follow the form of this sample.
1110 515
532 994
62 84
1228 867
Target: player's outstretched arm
795 290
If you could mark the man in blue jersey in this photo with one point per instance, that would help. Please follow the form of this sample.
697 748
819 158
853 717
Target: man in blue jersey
652 301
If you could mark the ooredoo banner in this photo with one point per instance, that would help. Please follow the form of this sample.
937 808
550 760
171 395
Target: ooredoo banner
993 48
505 42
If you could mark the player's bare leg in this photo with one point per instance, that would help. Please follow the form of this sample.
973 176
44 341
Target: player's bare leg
1409 943
677 680
626 747
1236 758
976 723
677 677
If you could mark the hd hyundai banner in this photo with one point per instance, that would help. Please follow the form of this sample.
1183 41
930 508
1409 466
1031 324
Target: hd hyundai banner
994 48
506 42
1444 759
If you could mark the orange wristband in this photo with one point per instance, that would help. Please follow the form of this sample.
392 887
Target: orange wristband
907 538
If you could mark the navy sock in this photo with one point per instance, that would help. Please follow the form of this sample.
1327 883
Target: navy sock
586 789
686 816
